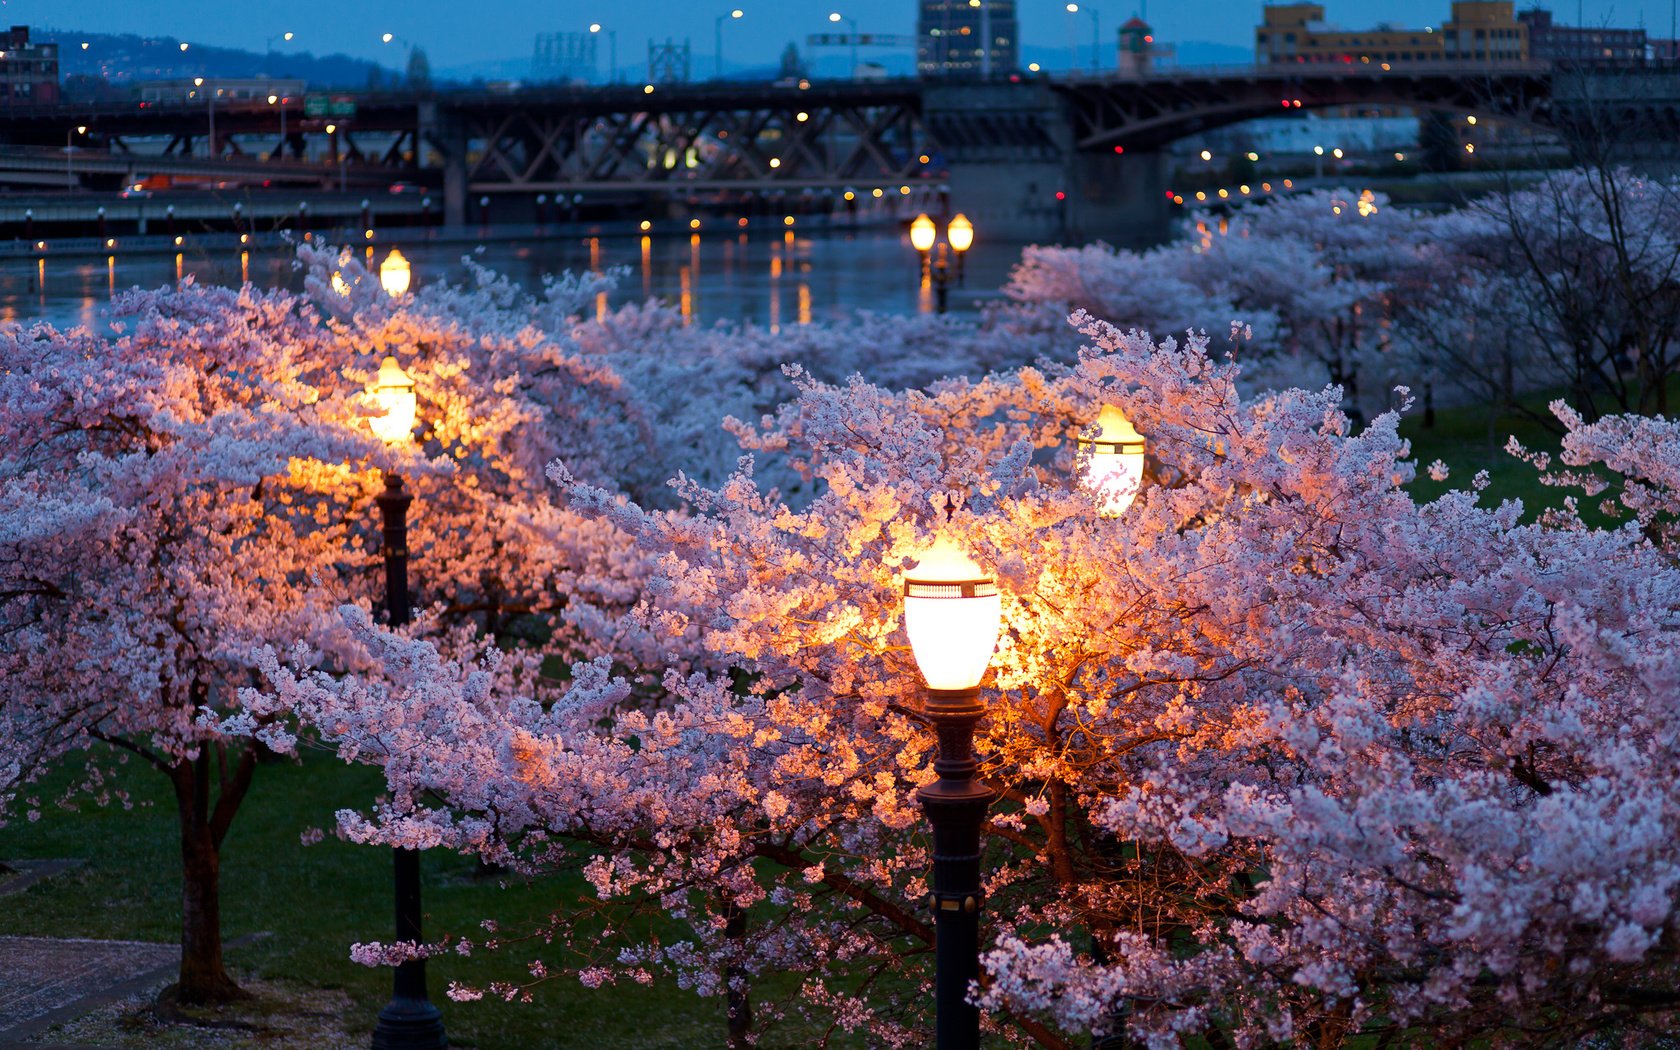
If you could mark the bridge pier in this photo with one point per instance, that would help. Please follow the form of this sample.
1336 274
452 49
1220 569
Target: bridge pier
1016 168
1119 198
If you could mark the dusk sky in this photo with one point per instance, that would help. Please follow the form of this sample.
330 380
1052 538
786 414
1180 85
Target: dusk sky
456 32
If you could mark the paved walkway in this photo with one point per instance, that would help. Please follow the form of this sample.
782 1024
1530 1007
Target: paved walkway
47 980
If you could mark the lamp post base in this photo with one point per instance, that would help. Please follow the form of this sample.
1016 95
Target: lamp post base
409 1024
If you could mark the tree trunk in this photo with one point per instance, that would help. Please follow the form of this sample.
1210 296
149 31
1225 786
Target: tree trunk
738 996
204 977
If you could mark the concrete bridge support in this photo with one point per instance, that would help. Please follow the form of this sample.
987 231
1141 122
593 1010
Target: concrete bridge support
1017 172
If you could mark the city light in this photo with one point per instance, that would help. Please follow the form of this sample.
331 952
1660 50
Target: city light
388 37
1207 155
183 45
1337 153
1399 156
1319 150
775 162
594 27
1032 67
647 89
834 16
1253 156
646 225
1470 119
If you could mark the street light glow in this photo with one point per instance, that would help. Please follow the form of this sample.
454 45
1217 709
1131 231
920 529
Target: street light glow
393 391
1114 469
737 13
594 27
923 233
395 274
834 16
960 233
952 612
387 37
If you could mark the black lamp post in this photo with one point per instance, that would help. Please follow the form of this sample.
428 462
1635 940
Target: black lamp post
951 612
941 282
409 1021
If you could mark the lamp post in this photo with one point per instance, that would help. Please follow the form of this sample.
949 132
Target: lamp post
612 50
718 25
835 16
409 1021
959 237
952 613
268 58
960 232
1073 38
922 235
70 156
1113 461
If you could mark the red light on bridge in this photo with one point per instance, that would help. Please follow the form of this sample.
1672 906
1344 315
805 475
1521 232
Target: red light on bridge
1061 196
1169 194
1285 103
1119 149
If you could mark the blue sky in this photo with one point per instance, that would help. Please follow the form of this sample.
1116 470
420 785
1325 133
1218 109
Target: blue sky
456 32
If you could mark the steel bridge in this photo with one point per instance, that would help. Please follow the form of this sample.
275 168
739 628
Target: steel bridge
734 138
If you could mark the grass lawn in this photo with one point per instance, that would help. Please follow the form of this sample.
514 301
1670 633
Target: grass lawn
316 901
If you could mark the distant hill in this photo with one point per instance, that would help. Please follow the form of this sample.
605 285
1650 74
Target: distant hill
121 59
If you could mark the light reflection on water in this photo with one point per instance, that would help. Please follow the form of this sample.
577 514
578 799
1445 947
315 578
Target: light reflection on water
767 279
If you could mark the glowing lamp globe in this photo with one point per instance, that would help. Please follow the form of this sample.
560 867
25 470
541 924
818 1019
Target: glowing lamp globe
960 233
394 274
1114 471
952 613
922 233
393 392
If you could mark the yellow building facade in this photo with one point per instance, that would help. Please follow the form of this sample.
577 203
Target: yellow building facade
1479 31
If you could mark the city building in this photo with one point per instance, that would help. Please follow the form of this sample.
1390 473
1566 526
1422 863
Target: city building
28 71
1478 31
1485 31
967 38
1581 45
1664 50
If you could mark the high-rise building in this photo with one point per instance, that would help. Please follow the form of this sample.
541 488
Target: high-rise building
967 38
1581 45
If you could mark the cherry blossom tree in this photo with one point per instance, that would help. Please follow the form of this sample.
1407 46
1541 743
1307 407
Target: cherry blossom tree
1280 755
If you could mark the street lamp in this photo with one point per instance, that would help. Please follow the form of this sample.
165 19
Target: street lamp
1114 462
960 232
409 1020
395 274
835 16
952 613
268 48
1096 35
70 156
1073 38
612 48
718 26
922 235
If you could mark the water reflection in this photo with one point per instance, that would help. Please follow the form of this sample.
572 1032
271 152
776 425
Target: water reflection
738 276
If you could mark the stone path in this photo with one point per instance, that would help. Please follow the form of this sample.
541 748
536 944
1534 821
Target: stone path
47 980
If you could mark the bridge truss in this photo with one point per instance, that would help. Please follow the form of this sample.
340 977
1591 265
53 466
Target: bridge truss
699 139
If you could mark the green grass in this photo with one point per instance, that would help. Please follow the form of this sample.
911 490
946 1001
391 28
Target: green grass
1466 441
316 901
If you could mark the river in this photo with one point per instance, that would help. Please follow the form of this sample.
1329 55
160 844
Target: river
763 278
